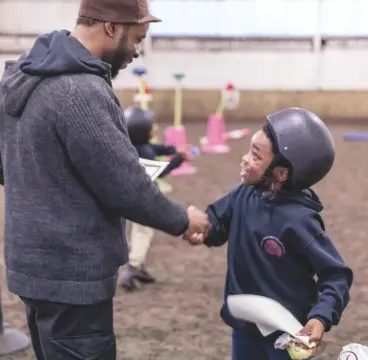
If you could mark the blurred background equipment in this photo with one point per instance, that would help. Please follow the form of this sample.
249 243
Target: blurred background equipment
216 139
176 135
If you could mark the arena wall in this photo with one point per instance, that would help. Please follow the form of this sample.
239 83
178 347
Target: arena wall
331 80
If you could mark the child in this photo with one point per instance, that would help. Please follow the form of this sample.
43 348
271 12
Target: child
276 236
140 128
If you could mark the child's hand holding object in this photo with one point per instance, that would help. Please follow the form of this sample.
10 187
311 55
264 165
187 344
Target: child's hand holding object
314 330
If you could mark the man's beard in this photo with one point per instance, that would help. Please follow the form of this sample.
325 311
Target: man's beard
118 57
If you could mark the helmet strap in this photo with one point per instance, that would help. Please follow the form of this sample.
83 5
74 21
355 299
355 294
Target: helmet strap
268 181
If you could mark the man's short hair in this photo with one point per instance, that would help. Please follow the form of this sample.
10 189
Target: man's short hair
86 21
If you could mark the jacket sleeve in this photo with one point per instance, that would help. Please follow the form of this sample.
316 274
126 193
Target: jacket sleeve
174 163
334 276
146 152
94 133
163 150
220 214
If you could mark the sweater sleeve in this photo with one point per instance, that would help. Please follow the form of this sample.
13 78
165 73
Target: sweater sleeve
96 139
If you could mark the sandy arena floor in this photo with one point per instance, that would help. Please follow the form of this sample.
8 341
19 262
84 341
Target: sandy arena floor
178 318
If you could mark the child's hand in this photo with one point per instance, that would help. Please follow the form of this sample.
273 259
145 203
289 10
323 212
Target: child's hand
315 330
196 239
198 224
183 154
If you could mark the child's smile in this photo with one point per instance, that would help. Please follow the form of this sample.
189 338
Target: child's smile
244 173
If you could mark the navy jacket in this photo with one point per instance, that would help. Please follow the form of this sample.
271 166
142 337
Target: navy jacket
151 151
276 245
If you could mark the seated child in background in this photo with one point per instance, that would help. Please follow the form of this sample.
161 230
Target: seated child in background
276 236
140 128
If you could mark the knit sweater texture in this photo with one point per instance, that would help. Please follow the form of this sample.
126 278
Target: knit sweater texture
71 175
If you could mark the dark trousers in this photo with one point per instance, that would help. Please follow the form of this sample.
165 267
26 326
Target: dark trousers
248 347
71 332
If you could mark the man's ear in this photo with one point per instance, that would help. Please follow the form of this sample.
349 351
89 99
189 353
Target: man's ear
110 29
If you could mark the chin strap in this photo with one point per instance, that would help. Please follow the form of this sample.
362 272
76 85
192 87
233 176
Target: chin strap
267 180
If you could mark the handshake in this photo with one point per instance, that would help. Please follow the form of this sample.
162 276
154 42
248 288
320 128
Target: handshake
199 226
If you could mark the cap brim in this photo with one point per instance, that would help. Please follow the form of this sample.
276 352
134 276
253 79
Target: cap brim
149 19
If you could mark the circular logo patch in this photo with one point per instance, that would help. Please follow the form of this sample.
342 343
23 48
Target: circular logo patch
273 246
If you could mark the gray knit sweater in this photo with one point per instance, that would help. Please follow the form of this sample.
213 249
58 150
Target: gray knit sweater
70 175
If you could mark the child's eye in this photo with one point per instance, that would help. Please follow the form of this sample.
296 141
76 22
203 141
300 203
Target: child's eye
255 155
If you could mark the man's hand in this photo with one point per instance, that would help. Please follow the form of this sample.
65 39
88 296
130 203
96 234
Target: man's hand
199 226
196 239
315 330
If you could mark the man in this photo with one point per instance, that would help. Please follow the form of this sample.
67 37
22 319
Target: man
70 174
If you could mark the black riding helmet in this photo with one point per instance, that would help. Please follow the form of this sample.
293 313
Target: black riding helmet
139 122
304 140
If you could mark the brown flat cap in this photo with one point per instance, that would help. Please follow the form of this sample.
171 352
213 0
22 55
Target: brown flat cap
118 11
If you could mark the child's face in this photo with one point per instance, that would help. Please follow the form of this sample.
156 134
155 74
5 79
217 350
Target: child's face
257 160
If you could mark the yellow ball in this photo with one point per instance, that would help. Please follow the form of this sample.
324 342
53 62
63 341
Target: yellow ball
298 353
